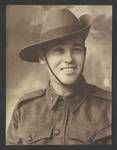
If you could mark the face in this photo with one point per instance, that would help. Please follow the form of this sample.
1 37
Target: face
66 60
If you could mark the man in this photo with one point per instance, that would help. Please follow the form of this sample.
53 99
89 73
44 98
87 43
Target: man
70 111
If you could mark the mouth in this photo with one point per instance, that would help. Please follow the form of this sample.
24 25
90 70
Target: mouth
68 69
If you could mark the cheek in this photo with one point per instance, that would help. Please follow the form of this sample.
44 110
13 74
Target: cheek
80 59
54 62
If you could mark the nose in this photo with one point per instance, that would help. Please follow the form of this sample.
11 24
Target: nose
68 56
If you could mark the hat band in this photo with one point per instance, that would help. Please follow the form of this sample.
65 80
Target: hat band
58 32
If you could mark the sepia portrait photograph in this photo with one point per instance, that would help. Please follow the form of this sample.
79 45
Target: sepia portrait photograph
58 74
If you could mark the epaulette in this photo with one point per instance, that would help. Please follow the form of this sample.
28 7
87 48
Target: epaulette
30 96
98 92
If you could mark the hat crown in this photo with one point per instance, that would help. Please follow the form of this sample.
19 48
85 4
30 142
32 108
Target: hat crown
58 25
58 19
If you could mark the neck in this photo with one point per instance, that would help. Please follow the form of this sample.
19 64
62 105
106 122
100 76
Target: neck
63 90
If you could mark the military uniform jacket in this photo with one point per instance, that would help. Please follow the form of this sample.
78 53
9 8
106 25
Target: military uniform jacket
44 118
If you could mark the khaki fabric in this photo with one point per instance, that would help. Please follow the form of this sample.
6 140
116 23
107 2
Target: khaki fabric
44 118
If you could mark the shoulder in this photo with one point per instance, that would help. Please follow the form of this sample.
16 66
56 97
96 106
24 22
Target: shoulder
99 93
99 102
29 97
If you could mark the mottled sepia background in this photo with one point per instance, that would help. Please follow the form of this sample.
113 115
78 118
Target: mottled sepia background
23 23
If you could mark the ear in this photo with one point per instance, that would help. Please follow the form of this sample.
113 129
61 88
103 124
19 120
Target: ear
42 60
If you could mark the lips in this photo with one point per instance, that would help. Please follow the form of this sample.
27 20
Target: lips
68 68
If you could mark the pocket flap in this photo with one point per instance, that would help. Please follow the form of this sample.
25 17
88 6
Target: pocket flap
105 132
80 135
30 135
90 136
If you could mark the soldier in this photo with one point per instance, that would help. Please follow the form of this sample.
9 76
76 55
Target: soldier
70 111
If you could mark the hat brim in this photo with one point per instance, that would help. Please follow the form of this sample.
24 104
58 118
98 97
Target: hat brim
31 53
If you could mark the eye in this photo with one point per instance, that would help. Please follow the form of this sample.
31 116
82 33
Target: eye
77 49
58 50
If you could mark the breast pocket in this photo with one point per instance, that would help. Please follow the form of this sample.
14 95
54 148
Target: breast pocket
81 136
103 136
78 137
34 136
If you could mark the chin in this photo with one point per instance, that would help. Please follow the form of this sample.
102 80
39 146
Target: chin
69 82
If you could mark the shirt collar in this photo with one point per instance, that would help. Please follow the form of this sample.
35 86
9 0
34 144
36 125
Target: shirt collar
74 100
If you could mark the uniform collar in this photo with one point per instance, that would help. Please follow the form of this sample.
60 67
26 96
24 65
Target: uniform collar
74 100
51 97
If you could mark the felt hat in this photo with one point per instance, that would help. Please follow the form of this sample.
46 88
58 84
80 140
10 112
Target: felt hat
58 25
